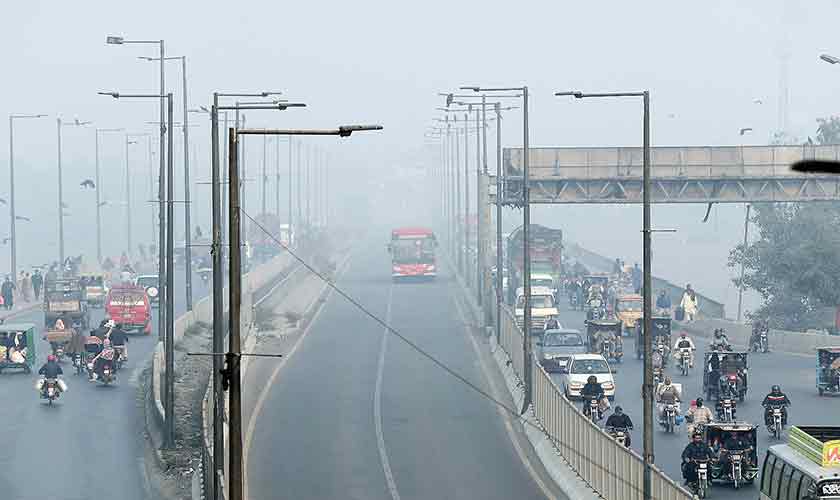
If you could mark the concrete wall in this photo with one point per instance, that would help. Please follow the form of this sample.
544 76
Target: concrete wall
780 340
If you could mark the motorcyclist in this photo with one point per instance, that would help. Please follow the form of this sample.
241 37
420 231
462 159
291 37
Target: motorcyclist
667 394
657 360
698 415
759 327
684 342
592 390
720 341
552 324
118 339
695 450
775 398
619 420
106 355
50 370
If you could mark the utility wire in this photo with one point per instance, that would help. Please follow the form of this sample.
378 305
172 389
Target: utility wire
393 331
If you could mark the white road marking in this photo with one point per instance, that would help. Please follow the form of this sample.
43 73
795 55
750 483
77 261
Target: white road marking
377 404
255 413
503 414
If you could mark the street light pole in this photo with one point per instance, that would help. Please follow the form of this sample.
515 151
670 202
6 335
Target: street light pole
128 197
647 288
187 201
499 249
60 200
741 281
466 221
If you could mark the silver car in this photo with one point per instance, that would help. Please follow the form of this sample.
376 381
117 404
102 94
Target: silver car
555 347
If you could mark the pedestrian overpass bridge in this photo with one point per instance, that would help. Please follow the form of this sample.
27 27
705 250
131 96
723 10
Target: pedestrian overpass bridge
692 174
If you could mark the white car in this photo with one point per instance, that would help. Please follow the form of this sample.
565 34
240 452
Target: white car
542 307
580 367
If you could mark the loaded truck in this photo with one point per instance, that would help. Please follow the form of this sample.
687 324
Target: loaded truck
546 257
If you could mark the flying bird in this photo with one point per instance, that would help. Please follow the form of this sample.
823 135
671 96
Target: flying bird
745 130
6 240
3 201
20 217
672 115
758 101
102 204
78 123
87 183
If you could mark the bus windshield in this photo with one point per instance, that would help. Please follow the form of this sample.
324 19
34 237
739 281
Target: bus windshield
413 251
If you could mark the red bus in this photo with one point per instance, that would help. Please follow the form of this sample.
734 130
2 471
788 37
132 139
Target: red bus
412 252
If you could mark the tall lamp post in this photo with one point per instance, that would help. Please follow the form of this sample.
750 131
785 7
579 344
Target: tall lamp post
647 377
187 207
58 125
218 280
526 230
232 357
12 207
166 315
118 40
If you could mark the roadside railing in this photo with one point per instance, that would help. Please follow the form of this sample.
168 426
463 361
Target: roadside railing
612 470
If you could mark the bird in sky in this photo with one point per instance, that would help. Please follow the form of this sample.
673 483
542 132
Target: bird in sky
745 130
78 123
3 201
6 240
102 204
757 101
87 183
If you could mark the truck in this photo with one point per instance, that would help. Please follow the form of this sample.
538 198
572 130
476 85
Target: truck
546 255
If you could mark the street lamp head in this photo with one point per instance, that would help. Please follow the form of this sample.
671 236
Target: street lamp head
282 106
114 40
576 93
829 59
470 87
115 95
266 94
346 130
146 58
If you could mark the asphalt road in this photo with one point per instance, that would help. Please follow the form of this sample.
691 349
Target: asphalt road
90 443
358 414
794 373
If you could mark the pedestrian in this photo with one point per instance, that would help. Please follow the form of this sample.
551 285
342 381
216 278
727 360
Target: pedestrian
26 288
8 292
37 283
689 303
19 286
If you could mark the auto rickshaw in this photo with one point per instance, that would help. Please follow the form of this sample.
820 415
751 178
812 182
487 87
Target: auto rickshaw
828 370
628 310
17 346
732 466
94 290
604 337
661 337
725 374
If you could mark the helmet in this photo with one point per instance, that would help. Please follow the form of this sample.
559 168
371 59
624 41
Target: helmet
667 380
111 323
699 402
776 389
683 334
592 379
106 342
618 410
52 358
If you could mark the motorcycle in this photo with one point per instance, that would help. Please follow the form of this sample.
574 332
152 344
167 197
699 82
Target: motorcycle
685 361
592 410
760 344
619 434
776 427
119 358
726 410
701 487
669 418
736 457
50 390
78 363
108 376
607 348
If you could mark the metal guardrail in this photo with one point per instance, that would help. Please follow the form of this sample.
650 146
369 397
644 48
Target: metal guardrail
613 471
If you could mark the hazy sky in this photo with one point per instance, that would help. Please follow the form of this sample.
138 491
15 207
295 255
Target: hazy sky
384 62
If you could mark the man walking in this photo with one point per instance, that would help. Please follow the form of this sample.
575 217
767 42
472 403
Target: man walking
37 283
8 292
